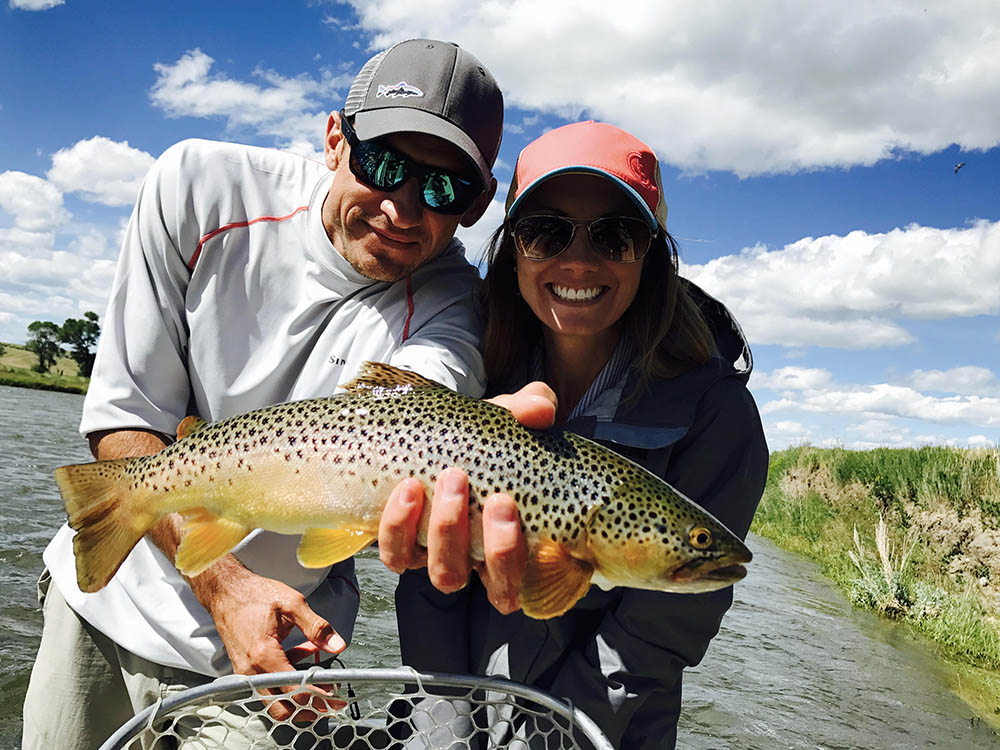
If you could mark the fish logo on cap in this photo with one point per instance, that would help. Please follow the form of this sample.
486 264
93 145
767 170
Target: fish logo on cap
397 90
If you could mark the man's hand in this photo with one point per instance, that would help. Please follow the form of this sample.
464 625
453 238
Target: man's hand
254 615
447 554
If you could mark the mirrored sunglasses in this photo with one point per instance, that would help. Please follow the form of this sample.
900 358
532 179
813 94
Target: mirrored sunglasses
383 168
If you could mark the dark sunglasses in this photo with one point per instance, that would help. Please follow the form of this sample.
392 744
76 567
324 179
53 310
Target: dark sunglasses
623 239
383 168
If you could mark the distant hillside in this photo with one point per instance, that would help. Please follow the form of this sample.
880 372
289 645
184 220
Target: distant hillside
16 370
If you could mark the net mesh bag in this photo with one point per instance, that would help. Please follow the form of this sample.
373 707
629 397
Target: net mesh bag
397 709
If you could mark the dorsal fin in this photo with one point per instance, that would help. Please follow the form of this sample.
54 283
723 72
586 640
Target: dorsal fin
189 426
381 375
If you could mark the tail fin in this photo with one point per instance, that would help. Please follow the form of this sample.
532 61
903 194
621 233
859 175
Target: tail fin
102 508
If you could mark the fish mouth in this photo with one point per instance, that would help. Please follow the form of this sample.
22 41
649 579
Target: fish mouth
728 569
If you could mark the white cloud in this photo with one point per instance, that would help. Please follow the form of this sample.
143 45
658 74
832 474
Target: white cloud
887 400
850 291
476 237
52 266
963 381
52 273
849 431
287 108
304 147
91 242
26 243
101 170
812 408
792 378
35 204
35 4
877 433
783 433
759 87
969 381
981 441
40 282
60 285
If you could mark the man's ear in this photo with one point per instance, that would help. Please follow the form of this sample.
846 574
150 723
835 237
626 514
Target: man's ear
477 209
332 145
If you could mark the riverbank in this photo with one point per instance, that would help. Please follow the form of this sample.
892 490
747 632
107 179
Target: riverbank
912 534
16 369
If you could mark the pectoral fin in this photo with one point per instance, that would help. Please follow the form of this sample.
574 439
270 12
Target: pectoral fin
554 581
322 547
206 539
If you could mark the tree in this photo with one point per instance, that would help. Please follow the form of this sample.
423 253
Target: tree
3 350
44 342
81 336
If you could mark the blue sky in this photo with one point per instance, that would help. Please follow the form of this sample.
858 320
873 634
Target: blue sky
807 153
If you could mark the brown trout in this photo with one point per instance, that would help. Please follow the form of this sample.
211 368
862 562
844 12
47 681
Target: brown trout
324 468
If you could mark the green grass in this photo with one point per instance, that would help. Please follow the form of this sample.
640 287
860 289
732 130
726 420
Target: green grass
827 504
896 477
16 369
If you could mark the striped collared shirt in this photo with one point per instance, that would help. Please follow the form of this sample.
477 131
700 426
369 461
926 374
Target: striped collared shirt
611 374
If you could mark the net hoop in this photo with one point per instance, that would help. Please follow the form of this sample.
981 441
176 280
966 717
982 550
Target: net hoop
547 715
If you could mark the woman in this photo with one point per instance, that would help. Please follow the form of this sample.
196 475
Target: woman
583 292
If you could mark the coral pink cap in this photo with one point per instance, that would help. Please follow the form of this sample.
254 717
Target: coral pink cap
592 148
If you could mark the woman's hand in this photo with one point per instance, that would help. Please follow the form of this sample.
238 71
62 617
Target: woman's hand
447 553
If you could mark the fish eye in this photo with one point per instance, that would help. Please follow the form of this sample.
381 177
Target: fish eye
700 538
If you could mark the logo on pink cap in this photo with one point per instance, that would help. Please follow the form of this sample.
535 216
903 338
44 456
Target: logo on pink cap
637 163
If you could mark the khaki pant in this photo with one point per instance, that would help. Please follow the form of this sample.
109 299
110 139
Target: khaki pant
84 686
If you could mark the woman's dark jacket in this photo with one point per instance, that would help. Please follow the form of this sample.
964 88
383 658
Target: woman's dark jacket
619 654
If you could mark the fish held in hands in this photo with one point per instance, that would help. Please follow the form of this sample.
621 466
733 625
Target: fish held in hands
324 468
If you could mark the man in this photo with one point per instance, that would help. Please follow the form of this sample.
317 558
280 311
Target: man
250 277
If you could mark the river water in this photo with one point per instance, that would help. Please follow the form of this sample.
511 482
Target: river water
793 667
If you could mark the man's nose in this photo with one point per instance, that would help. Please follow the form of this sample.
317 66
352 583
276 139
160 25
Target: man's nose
403 206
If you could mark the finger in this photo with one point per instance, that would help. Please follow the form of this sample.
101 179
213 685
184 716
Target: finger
316 698
448 532
397 530
505 551
278 710
533 406
302 651
322 698
315 628
260 657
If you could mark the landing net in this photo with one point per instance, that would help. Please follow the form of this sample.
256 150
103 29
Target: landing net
397 709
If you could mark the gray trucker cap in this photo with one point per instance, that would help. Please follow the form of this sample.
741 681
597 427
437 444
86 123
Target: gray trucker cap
427 86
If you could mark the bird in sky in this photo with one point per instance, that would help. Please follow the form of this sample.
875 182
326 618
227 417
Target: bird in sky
959 166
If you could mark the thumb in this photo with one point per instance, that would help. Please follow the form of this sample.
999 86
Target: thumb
533 406
318 630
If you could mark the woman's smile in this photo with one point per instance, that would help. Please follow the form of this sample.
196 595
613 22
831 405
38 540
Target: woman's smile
575 294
